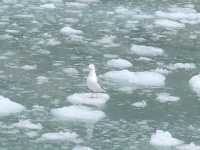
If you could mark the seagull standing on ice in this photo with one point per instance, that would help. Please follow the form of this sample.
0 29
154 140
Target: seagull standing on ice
92 80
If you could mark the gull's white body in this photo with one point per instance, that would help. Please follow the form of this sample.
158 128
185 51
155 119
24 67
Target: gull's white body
92 80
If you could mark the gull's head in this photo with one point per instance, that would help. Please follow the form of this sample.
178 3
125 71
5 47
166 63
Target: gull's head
91 67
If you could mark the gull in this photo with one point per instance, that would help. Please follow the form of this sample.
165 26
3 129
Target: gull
92 81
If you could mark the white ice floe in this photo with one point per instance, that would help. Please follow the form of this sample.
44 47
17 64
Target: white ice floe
29 67
140 104
27 124
71 71
182 14
8 107
82 148
169 24
142 50
60 136
77 5
144 79
190 146
93 99
108 41
186 66
48 6
119 63
162 71
110 56
70 31
144 59
194 83
78 113
87 1
164 138
166 97
42 79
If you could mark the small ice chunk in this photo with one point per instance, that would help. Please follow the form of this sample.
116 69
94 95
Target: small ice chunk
29 67
144 79
162 71
144 59
142 50
70 71
82 148
169 24
186 66
69 30
53 42
141 104
60 136
166 97
48 6
28 125
42 79
190 146
108 41
110 56
194 83
8 107
78 113
164 138
119 63
94 99
87 1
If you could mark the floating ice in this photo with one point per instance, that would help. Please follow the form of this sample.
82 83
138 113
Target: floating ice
48 6
186 66
194 83
82 148
144 59
162 138
76 5
87 1
94 99
70 71
190 146
28 125
145 79
169 24
141 104
110 56
108 41
119 63
69 30
166 97
146 50
60 136
184 15
29 67
162 71
8 107
78 113
42 79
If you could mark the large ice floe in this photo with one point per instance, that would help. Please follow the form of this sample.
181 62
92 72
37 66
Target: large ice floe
142 50
190 146
8 107
144 79
60 137
93 99
78 113
166 97
119 63
194 83
164 138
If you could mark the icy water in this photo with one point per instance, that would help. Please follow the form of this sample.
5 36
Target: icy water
45 49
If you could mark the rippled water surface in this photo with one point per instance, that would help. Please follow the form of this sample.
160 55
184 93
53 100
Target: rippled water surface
45 49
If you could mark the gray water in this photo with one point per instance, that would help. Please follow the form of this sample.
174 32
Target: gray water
26 35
